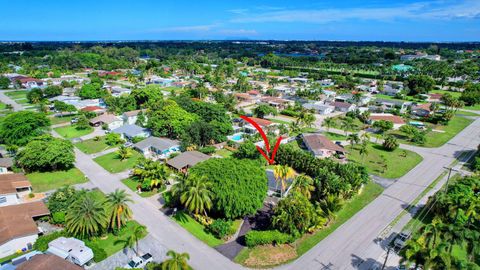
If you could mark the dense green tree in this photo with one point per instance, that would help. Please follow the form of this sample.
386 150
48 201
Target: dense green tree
294 215
4 82
176 261
419 84
390 143
238 190
150 93
247 150
471 95
170 120
150 174
92 91
52 91
121 104
35 95
61 106
263 110
46 153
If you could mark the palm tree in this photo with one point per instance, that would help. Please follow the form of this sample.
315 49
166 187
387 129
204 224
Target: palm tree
124 153
294 127
365 136
347 124
282 173
303 184
328 122
353 138
330 206
86 217
196 196
152 171
127 243
176 262
120 211
363 151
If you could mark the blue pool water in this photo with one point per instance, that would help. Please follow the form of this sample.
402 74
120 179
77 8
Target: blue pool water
237 137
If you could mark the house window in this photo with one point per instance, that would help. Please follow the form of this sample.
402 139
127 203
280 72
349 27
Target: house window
3 199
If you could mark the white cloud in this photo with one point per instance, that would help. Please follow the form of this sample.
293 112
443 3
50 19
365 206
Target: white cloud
469 9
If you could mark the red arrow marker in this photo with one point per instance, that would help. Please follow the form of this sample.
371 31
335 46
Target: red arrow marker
271 158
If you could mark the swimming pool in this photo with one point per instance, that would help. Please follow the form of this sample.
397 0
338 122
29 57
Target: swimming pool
237 137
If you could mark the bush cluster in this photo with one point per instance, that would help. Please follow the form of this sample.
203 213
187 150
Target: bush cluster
255 238
220 228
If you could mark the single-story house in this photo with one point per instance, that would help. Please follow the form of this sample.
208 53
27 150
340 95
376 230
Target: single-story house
95 109
395 119
343 106
392 90
47 261
421 110
112 121
319 107
128 132
13 186
276 102
5 164
187 160
18 230
130 118
435 97
392 104
320 146
154 147
266 125
70 249
27 82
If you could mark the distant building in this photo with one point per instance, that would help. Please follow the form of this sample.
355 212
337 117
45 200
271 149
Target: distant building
131 117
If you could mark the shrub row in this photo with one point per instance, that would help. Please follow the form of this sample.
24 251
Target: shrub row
255 238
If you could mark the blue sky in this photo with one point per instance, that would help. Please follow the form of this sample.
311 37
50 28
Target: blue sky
394 20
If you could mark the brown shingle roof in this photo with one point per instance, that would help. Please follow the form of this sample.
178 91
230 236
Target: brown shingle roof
133 113
9 182
187 159
317 142
392 118
48 262
17 220
106 118
261 122
6 162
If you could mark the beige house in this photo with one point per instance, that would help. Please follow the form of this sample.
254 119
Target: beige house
320 146
13 186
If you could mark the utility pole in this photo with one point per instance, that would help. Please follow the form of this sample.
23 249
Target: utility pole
450 169
386 257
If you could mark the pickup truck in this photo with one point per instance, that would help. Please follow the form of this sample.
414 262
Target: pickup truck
139 261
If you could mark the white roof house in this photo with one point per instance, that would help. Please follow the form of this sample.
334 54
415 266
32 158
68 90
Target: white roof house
70 249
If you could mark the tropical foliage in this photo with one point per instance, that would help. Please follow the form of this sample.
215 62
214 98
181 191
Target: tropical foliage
20 127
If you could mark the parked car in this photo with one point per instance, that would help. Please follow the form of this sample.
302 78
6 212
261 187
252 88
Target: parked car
128 144
139 261
400 240
74 120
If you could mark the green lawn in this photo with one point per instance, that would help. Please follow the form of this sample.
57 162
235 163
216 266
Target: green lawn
335 137
224 152
112 163
69 132
108 243
443 92
357 124
17 94
55 120
279 121
437 139
475 107
465 113
43 181
196 229
132 184
91 146
375 164
369 193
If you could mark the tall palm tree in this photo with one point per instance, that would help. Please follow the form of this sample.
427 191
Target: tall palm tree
282 173
177 261
365 136
330 205
303 184
363 151
120 212
131 241
328 122
86 217
353 138
127 243
197 195
347 124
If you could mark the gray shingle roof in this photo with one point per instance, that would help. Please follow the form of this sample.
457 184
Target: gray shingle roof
130 130
189 158
157 143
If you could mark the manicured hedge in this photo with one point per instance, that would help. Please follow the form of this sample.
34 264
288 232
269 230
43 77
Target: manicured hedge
255 238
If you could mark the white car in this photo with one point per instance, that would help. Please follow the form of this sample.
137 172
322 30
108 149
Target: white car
139 261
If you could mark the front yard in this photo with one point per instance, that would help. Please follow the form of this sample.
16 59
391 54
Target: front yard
69 132
44 181
269 256
92 146
55 120
387 166
132 184
112 162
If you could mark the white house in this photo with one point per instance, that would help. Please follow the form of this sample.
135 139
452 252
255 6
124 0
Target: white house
70 249
18 230
130 118
319 107
13 186
128 132
157 148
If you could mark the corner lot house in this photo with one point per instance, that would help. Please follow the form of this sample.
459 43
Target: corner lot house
13 186
186 160
47 261
18 230
111 120
70 249
395 119
157 148
320 146
128 132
